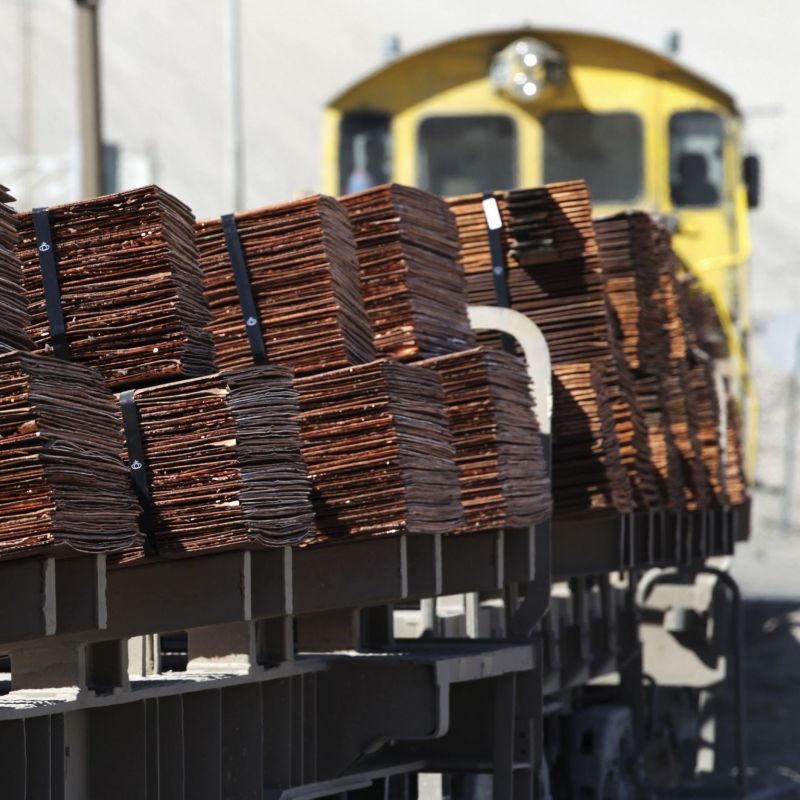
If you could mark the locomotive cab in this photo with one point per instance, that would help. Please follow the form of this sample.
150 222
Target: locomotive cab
526 107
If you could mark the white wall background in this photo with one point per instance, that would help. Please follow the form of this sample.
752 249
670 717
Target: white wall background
164 92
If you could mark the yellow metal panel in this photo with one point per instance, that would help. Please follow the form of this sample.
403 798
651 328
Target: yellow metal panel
330 151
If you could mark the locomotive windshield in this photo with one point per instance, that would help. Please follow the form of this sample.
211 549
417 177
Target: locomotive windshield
363 151
604 149
465 154
696 170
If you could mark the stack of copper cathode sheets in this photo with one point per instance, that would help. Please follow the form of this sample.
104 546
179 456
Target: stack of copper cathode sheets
412 283
631 428
709 333
703 399
706 412
588 473
62 481
554 276
379 453
303 272
680 411
735 480
222 461
632 245
130 288
496 437
14 317
652 397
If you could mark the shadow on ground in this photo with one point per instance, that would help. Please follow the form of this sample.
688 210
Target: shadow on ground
772 647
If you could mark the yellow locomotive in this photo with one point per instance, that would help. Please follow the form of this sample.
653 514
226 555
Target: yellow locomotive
525 107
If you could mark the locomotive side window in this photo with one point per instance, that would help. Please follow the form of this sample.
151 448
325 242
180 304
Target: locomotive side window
364 147
696 169
603 149
461 155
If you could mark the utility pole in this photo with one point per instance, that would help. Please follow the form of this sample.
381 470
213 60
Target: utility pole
234 146
90 108
25 188
26 79
790 443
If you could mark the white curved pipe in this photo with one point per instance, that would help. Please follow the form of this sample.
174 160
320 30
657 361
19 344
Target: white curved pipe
534 346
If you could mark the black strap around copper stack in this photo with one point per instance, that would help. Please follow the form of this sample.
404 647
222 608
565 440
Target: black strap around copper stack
252 323
494 227
52 291
138 468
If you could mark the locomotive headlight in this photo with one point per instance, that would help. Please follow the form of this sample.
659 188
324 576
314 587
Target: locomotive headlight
525 68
